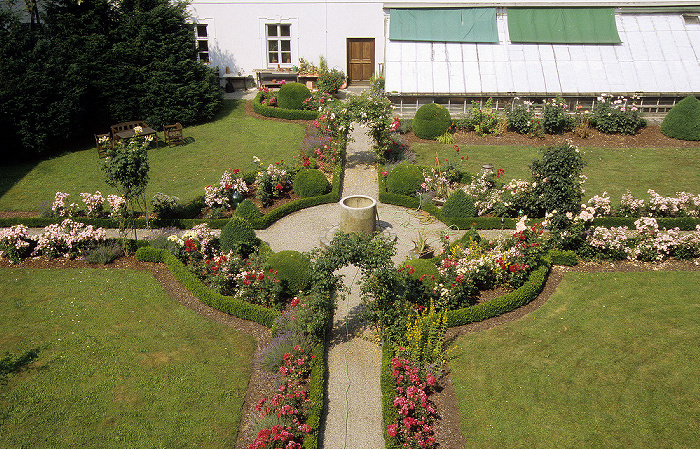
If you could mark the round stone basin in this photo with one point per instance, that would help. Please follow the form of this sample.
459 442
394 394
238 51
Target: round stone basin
358 213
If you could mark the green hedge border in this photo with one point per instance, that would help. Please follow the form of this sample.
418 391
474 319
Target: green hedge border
683 223
226 304
288 114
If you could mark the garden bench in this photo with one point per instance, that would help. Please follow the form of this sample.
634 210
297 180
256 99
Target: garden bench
272 78
125 131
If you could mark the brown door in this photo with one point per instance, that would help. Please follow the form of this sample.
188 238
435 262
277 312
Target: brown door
360 59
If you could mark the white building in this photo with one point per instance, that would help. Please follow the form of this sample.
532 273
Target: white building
455 53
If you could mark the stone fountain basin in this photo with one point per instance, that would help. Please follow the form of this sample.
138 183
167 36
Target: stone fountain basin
358 213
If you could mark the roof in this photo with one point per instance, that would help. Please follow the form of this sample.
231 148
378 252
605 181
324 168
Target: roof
659 53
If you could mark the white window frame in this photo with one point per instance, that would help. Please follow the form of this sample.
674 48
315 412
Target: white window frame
293 41
207 40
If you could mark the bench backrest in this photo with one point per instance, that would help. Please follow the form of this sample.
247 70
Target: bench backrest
119 127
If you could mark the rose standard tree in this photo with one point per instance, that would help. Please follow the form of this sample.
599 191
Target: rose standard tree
126 169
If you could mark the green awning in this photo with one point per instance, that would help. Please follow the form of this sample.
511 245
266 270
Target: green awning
563 25
443 25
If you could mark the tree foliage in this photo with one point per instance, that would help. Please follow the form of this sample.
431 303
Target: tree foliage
82 66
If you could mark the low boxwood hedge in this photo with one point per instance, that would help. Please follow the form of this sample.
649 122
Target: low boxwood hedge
288 114
317 387
226 304
506 303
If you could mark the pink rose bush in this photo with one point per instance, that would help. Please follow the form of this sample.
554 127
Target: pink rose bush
68 239
228 273
220 195
94 205
417 414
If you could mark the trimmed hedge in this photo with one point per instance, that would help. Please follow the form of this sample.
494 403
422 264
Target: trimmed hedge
227 304
683 120
310 182
404 179
317 387
292 95
387 384
431 120
506 303
293 270
289 114
566 258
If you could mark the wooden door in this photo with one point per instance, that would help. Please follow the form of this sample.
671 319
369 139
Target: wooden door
360 59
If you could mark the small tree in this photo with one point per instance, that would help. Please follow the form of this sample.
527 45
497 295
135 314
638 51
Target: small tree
557 183
126 169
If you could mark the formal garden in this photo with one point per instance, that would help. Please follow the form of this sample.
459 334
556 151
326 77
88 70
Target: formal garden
598 346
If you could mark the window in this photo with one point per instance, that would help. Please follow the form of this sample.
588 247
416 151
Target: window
279 44
202 42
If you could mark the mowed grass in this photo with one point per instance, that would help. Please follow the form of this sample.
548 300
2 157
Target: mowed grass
120 364
230 141
666 170
611 360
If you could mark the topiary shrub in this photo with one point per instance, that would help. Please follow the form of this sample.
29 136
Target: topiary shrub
431 120
683 120
293 270
248 210
311 182
404 179
292 95
459 205
238 236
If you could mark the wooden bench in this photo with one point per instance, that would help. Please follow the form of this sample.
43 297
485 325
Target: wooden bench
272 78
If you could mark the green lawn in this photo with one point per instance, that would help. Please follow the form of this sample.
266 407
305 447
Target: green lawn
230 141
120 364
611 360
666 170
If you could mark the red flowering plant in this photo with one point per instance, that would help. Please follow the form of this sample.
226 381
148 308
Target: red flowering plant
283 415
417 413
317 100
272 182
268 97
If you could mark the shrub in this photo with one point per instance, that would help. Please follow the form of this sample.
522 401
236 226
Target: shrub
405 126
431 120
423 269
459 205
292 95
293 271
558 178
238 236
616 116
482 119
164 206
404 179
520 117
555 118
683 120
310 182
104 253
329 81
248 210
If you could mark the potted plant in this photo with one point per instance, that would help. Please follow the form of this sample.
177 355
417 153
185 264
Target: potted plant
422 248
